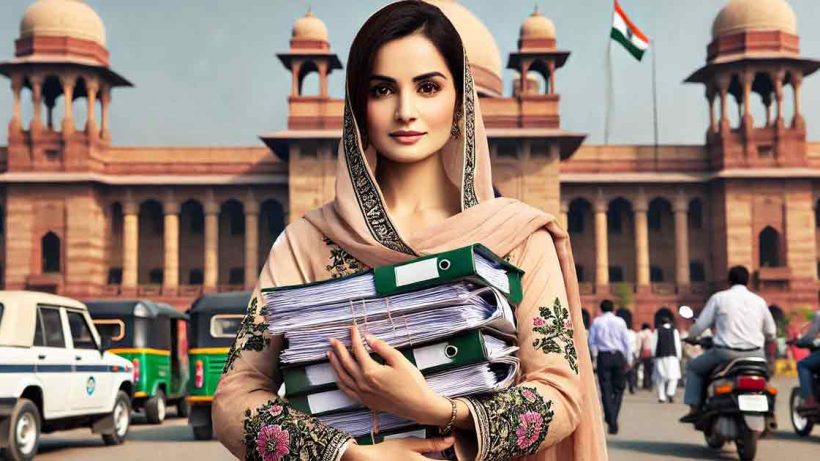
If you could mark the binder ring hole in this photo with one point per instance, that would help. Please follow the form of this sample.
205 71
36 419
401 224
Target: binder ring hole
450 351
444 264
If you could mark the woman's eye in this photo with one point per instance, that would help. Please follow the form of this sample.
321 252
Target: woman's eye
380 90
428 88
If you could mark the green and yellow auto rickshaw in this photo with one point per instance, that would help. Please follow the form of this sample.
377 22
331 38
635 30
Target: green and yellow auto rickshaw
214 320
152 336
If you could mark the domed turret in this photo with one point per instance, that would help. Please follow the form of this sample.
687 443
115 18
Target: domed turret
746 15
62 18
309 27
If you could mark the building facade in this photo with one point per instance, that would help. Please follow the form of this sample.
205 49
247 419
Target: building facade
650 226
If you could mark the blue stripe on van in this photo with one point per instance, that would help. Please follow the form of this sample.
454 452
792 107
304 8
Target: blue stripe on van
21 368
16 368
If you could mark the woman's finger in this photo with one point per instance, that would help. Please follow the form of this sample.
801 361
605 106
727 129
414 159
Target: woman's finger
343 379
346 360
359 351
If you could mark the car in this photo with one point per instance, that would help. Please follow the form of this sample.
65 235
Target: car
151 335
55 374
214 321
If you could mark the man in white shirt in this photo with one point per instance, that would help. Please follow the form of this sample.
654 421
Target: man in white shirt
609 341
741 323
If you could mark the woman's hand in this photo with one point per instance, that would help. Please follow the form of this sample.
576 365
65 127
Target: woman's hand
410 448
396 387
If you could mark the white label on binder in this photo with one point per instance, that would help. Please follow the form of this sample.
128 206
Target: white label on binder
328 401
431 356
416 272
321 373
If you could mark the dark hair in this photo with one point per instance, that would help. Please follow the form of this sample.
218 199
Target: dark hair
645 326
607 306
394 21
738 275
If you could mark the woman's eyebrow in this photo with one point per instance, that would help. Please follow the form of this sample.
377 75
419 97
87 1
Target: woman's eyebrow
415 79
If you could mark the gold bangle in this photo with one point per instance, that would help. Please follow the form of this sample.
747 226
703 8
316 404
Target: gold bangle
448 429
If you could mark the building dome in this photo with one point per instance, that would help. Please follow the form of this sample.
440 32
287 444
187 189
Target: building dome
537 26
309 27
482 50
742 15
62 18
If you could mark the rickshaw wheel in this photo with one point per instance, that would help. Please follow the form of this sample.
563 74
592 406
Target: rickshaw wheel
155 408
205 432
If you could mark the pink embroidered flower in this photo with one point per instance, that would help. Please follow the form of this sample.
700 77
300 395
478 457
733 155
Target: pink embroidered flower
529 395
538 321
529 428
275 410
272 443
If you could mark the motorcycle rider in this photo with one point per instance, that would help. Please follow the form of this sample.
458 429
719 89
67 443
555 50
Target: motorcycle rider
741 324
809 365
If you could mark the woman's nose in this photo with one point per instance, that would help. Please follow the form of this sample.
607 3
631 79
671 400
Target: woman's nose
406 110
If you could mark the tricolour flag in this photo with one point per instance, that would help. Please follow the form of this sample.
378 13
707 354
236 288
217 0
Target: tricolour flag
625 32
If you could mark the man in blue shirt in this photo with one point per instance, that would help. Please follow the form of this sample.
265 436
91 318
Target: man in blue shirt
609 341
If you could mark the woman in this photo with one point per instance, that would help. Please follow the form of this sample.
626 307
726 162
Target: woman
645 355
666 348
413 178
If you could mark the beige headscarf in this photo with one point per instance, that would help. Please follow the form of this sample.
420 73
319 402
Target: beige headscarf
358 221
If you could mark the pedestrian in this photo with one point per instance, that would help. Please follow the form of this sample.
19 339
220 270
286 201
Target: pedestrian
741 322
609 341
666 348
645 355
631 373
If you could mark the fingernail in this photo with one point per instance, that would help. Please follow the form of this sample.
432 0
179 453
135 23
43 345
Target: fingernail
370 338
327 354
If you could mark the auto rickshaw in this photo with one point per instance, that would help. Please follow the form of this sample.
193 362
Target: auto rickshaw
150 335
214 321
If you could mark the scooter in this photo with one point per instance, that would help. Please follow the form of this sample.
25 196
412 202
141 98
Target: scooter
739 403
803 420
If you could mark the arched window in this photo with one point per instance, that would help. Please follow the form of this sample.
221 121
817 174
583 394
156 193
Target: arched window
195 277
579 271
695 214
769 244
50 247
575 216
655 274
697 273
616 274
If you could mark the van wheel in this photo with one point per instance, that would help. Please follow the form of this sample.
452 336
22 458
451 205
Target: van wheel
155 408
122 420
24 431
183 408
204 432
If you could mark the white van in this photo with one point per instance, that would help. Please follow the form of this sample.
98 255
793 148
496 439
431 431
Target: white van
55 375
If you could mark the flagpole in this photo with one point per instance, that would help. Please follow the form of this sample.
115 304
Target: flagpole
609 87
653 51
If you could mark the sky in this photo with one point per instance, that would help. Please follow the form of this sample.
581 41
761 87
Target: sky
206 73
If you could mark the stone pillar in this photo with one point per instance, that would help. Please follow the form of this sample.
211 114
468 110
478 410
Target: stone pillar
601 243
105 99
91 89
710 97
551 67
68 82
797 82
37 102
778 95
564 216
323 79
640 207
16 124
170 276
251 241
130 245
681 211
294 80
211 277
723 89
746 80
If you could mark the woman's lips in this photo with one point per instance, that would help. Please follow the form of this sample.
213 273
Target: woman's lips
407 137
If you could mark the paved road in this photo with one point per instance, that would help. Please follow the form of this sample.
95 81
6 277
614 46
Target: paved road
649 431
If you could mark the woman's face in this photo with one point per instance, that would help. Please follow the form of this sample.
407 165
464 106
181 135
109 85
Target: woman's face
411 99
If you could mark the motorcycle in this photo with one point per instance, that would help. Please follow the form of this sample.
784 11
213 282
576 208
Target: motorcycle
803 419
739 403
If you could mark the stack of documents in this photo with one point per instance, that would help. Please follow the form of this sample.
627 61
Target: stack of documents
450 314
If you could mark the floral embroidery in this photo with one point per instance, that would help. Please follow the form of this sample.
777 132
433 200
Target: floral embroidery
556 326
470 198
341 262
251 333
511 423
273 443
529 428
276 432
